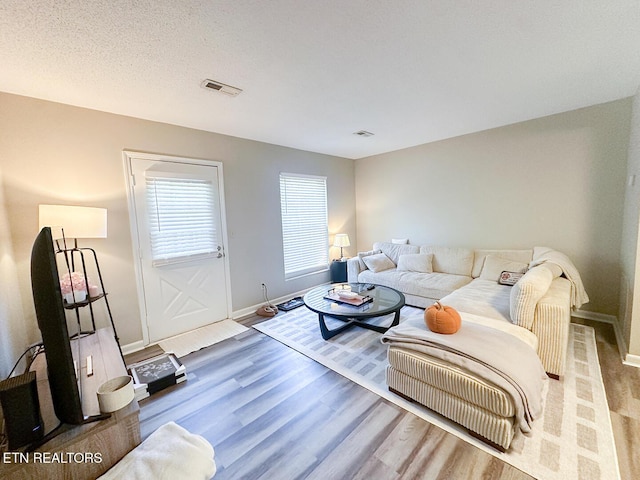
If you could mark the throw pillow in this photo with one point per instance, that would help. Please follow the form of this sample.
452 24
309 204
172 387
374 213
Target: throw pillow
495 265
361 255
454 260
378 263
525 294
416 262
400 241
510 278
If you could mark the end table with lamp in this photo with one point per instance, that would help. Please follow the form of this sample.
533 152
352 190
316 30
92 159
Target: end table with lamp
339 266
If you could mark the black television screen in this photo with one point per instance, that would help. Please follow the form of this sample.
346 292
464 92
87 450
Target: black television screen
47 298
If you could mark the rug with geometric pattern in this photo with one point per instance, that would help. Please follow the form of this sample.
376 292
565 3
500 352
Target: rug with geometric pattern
573 439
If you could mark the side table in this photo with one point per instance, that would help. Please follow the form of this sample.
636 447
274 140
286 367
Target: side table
339 271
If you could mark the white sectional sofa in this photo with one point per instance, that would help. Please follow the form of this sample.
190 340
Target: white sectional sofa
467 280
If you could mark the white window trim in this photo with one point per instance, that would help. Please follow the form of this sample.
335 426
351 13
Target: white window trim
322 257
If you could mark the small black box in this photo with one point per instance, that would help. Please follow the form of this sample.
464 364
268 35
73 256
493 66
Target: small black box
21 410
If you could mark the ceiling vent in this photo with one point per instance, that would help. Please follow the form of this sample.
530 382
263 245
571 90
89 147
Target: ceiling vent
221 87
363 133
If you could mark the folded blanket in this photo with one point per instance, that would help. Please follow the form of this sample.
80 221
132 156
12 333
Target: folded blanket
169 453
492 355
545 254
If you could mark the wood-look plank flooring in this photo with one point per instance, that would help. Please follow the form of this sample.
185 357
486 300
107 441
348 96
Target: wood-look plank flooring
273 413
622 384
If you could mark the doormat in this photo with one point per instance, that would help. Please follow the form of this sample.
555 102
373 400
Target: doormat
157 373
184 344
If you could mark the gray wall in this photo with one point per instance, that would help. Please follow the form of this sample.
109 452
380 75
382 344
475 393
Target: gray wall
630 300
556 181
54 153
13 331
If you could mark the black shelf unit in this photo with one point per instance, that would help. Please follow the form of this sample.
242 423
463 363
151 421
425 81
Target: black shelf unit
73 256
84 303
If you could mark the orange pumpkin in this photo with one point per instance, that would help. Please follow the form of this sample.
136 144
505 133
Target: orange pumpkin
442 319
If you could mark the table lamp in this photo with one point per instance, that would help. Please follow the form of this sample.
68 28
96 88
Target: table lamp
341 240
68 221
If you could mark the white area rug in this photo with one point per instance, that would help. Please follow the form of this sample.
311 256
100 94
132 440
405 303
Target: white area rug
194 340
573 440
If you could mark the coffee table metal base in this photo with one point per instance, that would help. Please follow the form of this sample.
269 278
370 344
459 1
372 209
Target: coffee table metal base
353 322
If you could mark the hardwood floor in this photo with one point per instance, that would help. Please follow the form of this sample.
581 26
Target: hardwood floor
271 412
622 384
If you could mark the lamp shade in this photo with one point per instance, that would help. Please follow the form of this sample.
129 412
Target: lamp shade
77 222
341 240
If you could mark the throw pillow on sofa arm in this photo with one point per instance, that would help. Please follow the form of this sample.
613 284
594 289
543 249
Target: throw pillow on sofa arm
526 293
378 262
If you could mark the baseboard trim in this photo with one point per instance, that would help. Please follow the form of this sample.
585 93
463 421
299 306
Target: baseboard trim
604 318
632 360
598 317
627 358
245 312
236 315
132 347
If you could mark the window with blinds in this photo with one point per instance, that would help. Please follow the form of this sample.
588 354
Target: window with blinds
305 232
182 223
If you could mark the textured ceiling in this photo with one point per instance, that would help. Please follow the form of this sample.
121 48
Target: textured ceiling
313 72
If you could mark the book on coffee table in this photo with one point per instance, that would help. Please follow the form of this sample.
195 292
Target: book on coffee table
356 301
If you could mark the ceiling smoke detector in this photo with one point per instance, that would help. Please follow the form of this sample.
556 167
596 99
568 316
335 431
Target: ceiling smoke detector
363 133
221 87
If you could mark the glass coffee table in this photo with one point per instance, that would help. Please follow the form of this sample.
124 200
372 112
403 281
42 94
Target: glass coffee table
384 301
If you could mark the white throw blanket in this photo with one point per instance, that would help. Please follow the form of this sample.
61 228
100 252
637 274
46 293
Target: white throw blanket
545 254
492 355
169 453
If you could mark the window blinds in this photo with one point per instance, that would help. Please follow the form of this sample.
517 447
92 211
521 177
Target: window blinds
305 234
181 218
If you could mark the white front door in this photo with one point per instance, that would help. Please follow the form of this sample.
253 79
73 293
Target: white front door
179 232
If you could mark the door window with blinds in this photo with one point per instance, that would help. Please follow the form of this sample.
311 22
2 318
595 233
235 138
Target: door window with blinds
305 232
182 223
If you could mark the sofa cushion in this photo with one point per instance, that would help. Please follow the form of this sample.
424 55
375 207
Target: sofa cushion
427 285
361 255
388 278
523 256
431 285
415 262
439 374
457 261
378 262
495 265
481 297
393 251
526 293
